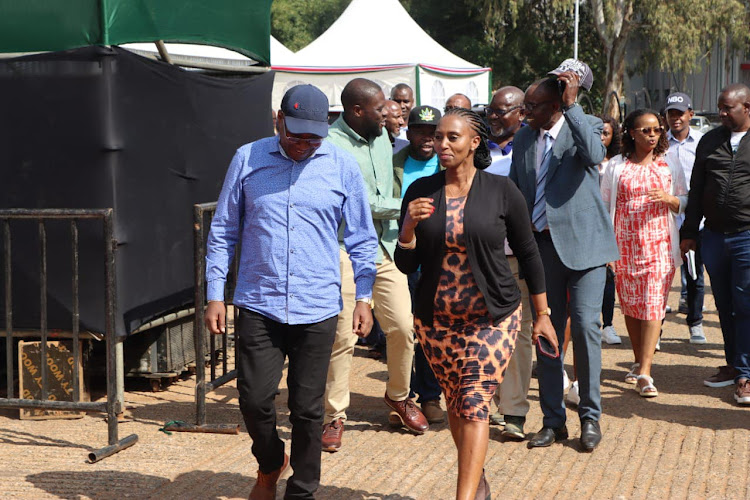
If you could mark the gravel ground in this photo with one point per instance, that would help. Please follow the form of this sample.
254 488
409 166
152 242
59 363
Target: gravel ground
689 442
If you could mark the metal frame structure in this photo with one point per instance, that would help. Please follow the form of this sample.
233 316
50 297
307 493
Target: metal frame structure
202 215
113 406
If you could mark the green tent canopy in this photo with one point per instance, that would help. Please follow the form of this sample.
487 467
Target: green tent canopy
52 25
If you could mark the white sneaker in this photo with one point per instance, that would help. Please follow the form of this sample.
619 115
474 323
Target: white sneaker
658 344
696 334
573 398
566 381
610 336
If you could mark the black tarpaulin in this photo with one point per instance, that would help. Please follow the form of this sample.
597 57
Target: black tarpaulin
96 128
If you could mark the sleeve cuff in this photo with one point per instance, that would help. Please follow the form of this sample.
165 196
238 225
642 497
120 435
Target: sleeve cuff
215 290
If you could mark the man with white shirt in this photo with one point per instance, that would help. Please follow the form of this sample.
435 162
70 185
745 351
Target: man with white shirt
720 192
682 143
555 165
505 116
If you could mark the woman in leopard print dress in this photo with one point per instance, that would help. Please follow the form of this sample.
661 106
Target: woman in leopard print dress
467 304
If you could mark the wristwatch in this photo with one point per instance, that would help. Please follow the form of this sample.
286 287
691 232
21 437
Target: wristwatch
547 311
568 108
366 300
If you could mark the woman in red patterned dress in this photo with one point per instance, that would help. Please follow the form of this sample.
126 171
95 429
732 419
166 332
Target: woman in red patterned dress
644 192
467 306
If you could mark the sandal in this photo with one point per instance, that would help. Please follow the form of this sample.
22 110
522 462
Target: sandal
648 390
632 376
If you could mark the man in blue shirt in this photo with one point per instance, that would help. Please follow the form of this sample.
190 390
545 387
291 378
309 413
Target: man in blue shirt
284 198
505 116
683 142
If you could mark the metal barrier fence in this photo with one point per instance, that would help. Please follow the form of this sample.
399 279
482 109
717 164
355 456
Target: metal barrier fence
112 407
202 215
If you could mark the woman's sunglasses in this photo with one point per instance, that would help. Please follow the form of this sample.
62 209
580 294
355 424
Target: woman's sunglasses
648 130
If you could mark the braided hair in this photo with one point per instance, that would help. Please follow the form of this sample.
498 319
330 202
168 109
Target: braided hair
482 158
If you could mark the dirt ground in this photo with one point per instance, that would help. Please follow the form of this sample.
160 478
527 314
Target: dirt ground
689 442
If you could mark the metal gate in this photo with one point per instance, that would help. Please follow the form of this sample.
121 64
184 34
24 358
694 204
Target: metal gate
202 215
113 406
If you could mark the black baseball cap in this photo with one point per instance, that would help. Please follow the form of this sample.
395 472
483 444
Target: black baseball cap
424 115
678 101
305 109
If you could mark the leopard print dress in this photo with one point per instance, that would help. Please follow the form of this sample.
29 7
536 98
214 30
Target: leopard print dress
467 353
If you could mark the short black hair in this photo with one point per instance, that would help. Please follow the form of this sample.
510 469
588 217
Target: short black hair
359 91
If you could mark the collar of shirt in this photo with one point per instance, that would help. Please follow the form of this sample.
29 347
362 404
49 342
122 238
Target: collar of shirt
692 136
508 149
554 131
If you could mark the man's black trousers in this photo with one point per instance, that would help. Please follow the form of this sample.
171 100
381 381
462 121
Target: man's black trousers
262 345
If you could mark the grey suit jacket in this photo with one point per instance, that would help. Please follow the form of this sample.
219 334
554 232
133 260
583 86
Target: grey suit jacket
579 223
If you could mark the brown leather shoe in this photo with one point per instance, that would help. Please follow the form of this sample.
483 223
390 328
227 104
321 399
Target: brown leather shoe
332 433
265 485
410 415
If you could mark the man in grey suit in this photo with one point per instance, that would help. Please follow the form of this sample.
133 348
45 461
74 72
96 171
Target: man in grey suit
554 165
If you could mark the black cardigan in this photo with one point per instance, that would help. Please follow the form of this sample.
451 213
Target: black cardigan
494 209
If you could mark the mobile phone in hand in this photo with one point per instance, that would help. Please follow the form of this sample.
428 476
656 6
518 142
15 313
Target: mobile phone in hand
546 348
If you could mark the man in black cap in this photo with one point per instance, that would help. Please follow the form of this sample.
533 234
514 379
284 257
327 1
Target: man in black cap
419 159
411 163
683 142
555 165
284 198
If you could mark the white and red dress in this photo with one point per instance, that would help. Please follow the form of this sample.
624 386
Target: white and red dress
646 233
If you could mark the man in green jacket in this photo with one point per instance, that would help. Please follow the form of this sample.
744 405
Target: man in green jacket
359 131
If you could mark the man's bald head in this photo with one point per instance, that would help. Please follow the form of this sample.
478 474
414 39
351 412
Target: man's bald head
542 104
358 92
393 121
458 101
505 112
404 95
734 107
738 90
508 96
364 107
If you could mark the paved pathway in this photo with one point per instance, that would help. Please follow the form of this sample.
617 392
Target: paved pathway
690 442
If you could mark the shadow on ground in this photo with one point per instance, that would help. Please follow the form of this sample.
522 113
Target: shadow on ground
206 485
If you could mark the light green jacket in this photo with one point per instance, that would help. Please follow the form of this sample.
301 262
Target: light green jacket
375 162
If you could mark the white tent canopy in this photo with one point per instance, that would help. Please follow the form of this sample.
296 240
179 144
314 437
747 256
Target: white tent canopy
191 53
340 54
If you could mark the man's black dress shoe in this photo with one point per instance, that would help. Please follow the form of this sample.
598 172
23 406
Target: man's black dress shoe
591 434
547 436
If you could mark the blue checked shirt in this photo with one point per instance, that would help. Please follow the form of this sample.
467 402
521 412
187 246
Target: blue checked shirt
287 215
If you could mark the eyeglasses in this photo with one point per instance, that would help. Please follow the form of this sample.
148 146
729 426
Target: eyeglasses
316 143
531 106
490 112
648 130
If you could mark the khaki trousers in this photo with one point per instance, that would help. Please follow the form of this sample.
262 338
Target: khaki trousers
393 305
510 396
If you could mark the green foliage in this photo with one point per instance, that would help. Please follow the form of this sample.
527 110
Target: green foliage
296 23
521 46
680 33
